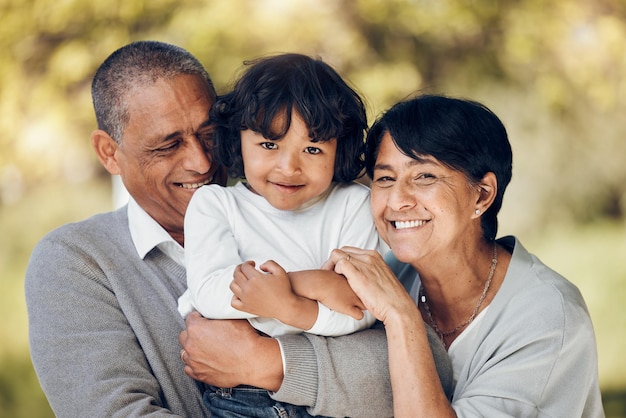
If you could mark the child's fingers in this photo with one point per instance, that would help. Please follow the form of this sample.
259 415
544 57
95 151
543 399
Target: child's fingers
272 267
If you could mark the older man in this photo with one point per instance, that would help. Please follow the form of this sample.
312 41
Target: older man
101 293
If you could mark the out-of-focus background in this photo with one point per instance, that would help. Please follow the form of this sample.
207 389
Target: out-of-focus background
553 70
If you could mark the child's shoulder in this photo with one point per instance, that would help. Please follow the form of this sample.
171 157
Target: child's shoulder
353 188
212 193
349 192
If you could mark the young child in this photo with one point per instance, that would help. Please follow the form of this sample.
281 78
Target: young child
293 130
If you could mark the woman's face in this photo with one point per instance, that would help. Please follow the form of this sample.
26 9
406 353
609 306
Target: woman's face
420 207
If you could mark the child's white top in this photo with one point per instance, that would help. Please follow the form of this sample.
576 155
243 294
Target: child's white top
225 226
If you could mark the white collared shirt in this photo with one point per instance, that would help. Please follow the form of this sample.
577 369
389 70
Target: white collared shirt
147 234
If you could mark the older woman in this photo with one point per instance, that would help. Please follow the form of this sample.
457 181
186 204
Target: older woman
519 334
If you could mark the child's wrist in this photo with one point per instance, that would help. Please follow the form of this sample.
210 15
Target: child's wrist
300 312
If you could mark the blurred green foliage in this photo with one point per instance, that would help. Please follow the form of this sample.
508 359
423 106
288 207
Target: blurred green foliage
553 70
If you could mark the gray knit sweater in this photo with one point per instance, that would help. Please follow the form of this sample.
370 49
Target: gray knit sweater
104 328
103 324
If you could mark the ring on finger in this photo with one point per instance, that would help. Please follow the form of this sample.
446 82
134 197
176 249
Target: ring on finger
182 355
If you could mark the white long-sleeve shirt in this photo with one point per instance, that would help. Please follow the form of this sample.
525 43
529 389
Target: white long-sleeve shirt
225 226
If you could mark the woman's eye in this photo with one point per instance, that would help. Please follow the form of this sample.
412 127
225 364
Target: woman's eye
268 145
312 150
383 181
425 179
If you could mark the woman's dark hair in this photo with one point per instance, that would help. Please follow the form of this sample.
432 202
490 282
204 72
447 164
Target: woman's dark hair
276 85
462 134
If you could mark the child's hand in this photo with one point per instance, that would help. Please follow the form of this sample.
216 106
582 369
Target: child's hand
268 293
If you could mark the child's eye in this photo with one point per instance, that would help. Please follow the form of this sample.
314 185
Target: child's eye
269 145
312 150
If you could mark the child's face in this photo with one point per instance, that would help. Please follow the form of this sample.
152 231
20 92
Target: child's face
291 171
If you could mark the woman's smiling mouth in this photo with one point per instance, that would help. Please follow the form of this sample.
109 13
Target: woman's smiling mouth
407 224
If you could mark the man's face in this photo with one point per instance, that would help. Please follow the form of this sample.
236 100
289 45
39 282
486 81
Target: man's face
165 155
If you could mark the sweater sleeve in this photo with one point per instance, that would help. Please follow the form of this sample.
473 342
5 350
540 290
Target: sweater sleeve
338 376
84 350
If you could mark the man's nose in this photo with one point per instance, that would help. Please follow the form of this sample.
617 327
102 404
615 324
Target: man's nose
196 157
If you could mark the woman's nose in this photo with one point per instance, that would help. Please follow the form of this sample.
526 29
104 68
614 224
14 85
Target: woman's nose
401 197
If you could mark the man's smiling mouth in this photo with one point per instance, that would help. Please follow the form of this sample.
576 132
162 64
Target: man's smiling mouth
194 185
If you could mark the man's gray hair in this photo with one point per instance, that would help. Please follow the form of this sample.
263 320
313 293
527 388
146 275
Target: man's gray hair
135 65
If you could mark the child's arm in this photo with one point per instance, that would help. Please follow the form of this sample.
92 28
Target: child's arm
329 288
211 255
268 293
271 294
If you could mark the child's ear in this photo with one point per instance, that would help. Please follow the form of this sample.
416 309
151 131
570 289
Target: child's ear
105 148
487 190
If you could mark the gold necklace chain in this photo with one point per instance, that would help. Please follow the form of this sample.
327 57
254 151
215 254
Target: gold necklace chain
442 334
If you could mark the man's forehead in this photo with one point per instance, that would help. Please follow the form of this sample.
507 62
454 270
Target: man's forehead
168 108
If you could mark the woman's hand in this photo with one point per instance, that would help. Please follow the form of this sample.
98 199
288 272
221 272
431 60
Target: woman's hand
371 279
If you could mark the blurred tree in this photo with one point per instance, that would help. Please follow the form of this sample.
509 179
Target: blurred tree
553 70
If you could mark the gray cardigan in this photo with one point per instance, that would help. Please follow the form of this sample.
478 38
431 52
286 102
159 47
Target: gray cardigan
104 325
534 354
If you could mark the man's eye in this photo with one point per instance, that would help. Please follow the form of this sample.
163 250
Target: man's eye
170 147
206 138
312 150
268 145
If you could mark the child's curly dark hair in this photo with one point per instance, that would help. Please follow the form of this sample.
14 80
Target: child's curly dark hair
274 86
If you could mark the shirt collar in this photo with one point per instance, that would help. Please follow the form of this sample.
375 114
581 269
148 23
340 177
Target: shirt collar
147 234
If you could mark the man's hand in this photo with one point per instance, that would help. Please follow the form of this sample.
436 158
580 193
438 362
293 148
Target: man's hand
228 353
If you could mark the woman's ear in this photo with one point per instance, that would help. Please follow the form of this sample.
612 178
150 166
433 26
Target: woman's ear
487 189
105 148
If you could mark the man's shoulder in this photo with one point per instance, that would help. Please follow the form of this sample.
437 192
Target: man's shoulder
81 243
99 225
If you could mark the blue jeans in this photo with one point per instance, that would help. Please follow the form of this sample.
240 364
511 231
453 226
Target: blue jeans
247 402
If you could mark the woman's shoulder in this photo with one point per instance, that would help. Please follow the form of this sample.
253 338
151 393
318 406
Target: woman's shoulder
529 283
528 271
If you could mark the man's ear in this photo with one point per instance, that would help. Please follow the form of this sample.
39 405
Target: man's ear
105 148
488 188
